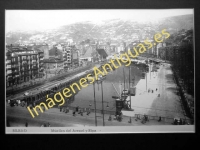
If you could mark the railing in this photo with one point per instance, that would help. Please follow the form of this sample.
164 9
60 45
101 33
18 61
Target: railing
137 116
91 110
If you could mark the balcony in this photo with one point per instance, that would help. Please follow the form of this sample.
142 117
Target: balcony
15 66
16 73
9 74
25 64
24 61
8 62
34 68
34 63
8 67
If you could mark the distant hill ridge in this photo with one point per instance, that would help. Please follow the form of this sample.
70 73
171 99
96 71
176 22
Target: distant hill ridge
111 29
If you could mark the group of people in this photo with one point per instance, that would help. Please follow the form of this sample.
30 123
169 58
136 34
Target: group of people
66 110
179 121
46 125
43 125
80 111
145 119
151 91
118 116
76 110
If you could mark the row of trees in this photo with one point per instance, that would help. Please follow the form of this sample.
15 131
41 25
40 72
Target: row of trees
183 59
183 64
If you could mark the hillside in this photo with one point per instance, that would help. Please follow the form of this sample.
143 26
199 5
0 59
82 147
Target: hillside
112 29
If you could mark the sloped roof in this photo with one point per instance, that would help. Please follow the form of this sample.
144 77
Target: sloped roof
102 52
88 53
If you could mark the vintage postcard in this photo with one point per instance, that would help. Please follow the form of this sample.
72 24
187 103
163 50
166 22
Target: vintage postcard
99 71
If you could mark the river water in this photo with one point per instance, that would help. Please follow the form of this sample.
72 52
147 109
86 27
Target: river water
85 96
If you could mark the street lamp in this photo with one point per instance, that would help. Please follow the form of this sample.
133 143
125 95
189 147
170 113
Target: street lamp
95 104
101 81
102 109
130 85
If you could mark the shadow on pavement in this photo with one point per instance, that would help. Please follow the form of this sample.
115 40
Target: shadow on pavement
169 77
172 89
170 82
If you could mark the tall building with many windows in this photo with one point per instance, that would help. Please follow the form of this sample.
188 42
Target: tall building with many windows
23 64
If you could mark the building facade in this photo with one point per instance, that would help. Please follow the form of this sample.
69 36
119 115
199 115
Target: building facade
23 65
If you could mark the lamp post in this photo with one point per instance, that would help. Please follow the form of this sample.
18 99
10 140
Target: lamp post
95 104
146 81
150 70
100 80
102 110
130 85
102 101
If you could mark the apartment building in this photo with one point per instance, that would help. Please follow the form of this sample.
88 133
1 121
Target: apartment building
23 64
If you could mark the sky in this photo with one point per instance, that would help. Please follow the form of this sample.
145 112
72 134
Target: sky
38 20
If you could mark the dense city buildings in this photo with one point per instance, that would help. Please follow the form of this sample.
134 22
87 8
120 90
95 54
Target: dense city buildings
23 64
131 73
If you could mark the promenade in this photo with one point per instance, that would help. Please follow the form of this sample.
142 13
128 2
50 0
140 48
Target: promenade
168 105
18 116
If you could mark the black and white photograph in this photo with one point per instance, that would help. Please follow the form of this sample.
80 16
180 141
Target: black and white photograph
85 71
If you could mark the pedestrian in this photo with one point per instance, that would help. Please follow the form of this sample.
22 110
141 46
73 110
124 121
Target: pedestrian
26 124
88 111
156 89
145 118
175 122
159 119
130 120
49 124
60 109
81 112
67 109
181 122
74 113
77 109
8 123
110 118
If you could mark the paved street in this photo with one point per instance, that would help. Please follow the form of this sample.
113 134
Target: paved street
167 105
18 115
